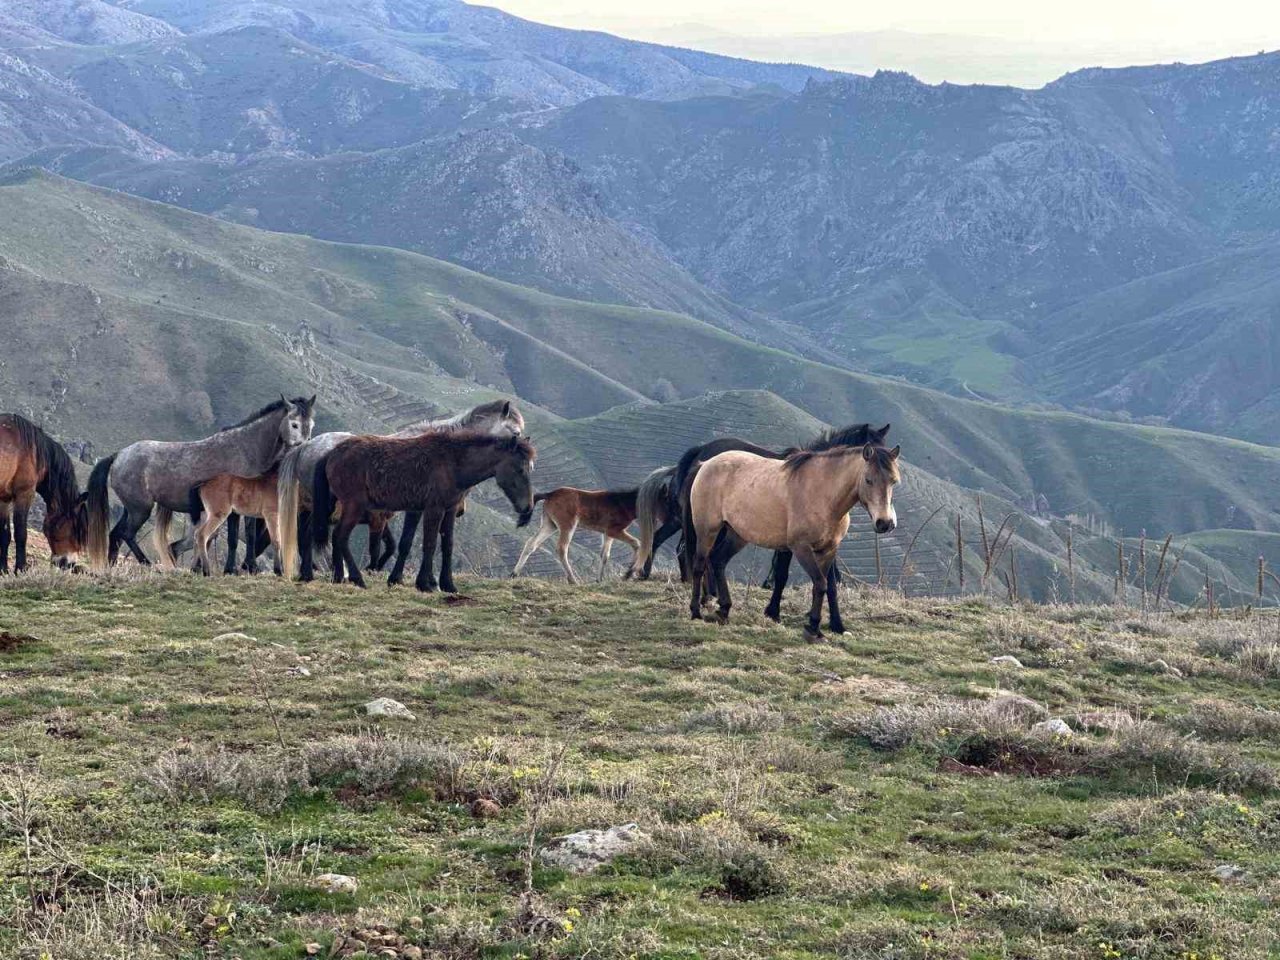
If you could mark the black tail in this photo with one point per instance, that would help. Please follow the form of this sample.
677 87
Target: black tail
195 506
321 504
539 497
99 510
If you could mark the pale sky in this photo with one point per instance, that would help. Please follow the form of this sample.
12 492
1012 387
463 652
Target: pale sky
1026 42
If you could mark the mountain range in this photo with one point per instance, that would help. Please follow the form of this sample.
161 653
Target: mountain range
596 224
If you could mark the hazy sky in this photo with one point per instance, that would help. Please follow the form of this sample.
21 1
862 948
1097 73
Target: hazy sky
1126 21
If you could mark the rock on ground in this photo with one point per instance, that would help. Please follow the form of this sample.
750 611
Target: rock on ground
586 850
1057 727
336 883
391 709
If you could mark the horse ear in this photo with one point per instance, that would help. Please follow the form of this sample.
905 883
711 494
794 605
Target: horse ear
506 408
868 452
893 454
311 404
883 431
287 404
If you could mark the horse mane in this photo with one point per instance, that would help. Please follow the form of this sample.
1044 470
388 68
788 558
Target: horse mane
271 407
883 460
446 439
60 483
478 413
854 435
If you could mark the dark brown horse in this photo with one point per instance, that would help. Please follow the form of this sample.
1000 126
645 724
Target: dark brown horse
33 462
429 474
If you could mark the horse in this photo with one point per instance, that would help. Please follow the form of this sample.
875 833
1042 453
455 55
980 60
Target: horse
158 475
250 497
800 504
428 474
33 462
652 499
854 435
607 512
298 469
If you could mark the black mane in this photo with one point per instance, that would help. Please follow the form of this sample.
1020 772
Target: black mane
884 459
271 407
854 435
59 486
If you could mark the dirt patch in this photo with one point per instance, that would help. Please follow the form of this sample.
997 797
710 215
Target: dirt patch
13 641
459 600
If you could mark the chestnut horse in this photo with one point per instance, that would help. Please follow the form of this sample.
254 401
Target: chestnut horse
33 462
800 504
607 512
428 474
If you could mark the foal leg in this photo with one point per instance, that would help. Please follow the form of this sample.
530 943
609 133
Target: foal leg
446 551
605 549
233 541
634 544
545 530
426 580
781 571
411 520
562 550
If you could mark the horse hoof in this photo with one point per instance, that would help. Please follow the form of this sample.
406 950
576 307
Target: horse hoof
448 587
695 614
813 636
720 617
836 627
774 615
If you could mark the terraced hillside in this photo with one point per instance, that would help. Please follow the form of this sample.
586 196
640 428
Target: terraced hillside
188 764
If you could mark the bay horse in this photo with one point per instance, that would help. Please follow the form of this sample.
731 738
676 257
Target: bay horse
250 497
32 462
607 512
854 435
501 418
429 475
800 504
158 475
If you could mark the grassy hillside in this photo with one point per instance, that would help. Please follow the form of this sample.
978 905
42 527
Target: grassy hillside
884 795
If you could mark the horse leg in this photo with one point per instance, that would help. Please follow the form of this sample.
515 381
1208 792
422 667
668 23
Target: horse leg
562 549
117 535
834 621
664 533
233 542
306 548
634 544
205 532
545 530
388 547
817 572
446 551
728 544
135 517
696 577
605 549
780 571
4 538
411 520
374 541
21 509
342 548
272 522
430 531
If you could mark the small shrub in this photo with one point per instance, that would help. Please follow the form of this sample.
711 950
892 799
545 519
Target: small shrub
750 875
753 717
1224 720
1260 659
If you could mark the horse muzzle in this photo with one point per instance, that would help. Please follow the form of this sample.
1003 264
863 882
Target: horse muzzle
524 518
885 525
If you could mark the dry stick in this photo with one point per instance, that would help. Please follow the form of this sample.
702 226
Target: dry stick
1208 590
1071 565
1142 567
879 570
542 793
1119 570
986 549
907 556
1013 571
1160 570
1262 566
1173 572
960 552
993 558
266 698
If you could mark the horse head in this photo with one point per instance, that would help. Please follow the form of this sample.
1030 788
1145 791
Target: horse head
514 475
880 475
66 528
298 420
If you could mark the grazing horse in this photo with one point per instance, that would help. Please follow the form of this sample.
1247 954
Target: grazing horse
428 474
652 503
607 512
854 435
800 504
500 418
250 497
156 475
33 462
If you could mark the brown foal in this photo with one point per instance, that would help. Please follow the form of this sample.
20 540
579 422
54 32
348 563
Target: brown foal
607 512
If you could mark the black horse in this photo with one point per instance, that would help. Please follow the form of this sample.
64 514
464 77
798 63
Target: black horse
856 435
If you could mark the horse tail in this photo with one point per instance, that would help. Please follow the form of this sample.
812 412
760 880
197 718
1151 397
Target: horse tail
287 493
160 535
321 504
195 505
651 500
678 479
689 535
99 510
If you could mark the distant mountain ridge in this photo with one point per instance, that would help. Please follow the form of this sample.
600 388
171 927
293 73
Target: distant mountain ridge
983 240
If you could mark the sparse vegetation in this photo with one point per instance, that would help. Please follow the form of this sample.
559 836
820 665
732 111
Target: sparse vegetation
887 794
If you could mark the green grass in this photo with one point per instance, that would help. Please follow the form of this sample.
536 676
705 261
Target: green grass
167 816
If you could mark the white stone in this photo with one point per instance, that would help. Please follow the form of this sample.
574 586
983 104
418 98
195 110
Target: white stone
391 709
1006 660
586 850
1056 727
336 883
1228 871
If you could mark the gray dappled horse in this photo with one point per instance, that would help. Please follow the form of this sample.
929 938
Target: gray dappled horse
159 475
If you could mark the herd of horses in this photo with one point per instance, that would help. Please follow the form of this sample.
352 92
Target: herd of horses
305 495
